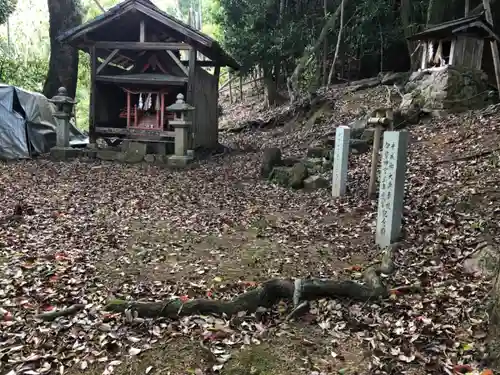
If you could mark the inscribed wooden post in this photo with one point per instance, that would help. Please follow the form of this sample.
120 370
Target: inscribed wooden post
391 192
93 94
340 161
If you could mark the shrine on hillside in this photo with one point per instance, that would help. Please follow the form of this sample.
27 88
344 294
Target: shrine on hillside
141 60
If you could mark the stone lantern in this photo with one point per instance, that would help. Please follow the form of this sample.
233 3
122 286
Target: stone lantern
64 109
181 127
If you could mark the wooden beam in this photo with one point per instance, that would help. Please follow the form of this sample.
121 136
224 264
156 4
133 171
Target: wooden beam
425 47
146 46
216 77
493 43
202 63
191 80
142 32
173 24
106 62
95 24
452 51
93 92
178 62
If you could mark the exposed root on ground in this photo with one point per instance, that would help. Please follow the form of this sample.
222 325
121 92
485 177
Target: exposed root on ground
299 291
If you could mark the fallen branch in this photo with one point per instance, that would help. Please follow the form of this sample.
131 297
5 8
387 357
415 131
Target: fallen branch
469 157
299 292
52 315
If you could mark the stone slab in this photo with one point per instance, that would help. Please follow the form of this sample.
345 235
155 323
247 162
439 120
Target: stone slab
179 161
65 153
109 155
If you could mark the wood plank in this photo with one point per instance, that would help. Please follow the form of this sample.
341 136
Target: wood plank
143 79
178 62
143 46
202 63
191 77
175 25
96 24
493 43
107 60
142 32
93 94
216 77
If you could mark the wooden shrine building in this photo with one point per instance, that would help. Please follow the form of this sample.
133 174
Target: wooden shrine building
457 43
141 59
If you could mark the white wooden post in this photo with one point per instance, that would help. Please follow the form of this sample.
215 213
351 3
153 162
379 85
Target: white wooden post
392 185
340 161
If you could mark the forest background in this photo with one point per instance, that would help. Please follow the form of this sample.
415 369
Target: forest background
310 42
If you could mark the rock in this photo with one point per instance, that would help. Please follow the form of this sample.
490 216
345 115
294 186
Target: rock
281 175
483 262
368 135
359 146
108 155
316 152
392 78
271 159
315 183
289 162
149 158
298 174
135 152
363 84
317 165
451 88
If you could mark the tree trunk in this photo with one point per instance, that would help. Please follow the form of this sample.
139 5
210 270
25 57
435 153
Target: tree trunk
339 38
409 29
325 47
63 64
308 56
270 84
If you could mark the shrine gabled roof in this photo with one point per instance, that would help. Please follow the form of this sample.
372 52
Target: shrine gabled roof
121 21
476 25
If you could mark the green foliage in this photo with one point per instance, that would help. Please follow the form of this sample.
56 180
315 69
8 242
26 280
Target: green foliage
26 74
6 9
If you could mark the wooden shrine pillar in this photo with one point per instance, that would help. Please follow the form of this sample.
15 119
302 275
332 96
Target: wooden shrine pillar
93 93
190 94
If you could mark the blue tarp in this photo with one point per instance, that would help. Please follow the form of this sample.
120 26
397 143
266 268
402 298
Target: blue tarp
28 125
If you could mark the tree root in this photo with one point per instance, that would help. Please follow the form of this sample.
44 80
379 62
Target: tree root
299 291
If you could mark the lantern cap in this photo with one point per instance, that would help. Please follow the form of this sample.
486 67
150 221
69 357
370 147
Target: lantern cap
62 97
180 105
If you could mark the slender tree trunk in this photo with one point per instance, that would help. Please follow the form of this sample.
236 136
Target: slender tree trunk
63 63
325 47
308 56
339 38
409 29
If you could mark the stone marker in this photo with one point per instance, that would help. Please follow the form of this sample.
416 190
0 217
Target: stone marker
340 159
392 184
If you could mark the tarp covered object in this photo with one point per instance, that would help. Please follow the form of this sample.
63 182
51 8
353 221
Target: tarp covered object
28 125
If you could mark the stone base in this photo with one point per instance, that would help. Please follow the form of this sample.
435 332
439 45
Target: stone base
109 155
65 153
179 161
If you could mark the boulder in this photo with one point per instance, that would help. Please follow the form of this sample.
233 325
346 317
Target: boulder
482 262
281 175
395 78
316 152
450 89
315 183
289 162
298 174
359 146
149 158
271 159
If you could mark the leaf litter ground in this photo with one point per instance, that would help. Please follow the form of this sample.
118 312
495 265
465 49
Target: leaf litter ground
91 233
